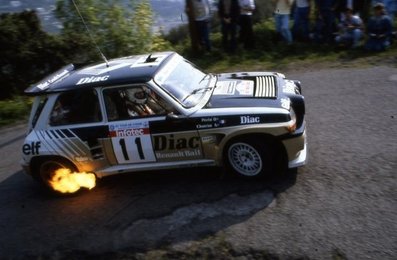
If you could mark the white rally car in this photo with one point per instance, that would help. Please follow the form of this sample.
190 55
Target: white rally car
158 111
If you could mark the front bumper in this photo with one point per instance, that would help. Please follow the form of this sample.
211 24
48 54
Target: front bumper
296 149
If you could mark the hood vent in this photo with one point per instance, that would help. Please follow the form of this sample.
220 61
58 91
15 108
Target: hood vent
265 86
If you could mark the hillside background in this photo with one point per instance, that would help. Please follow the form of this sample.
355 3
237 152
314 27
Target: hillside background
167 12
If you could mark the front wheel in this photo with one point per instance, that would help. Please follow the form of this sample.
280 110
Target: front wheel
251 158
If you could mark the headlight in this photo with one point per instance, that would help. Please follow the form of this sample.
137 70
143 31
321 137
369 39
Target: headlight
292 125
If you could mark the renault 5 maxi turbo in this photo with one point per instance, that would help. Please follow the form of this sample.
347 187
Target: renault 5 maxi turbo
159 111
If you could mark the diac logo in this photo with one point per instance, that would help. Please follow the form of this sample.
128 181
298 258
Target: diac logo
161 143
92 79
249 120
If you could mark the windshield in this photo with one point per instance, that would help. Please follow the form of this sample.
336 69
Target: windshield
184 81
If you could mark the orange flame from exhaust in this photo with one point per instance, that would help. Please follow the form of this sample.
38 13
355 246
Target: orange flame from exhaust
67 182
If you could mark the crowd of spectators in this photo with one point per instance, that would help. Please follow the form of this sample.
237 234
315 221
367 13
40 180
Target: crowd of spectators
338 22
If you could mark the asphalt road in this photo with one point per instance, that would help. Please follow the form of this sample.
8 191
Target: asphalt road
342 205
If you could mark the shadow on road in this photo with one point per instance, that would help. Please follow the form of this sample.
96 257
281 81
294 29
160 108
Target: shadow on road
133 212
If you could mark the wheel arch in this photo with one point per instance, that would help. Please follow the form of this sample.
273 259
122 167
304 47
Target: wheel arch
38 160
265 137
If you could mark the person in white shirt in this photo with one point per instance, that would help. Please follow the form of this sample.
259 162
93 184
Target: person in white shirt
247 8
282 13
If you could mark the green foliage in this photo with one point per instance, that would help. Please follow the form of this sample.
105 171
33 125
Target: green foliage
27 54
13 110
177 35
116 29
264 10
31 53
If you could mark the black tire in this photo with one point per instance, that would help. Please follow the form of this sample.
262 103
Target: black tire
47 168
251 158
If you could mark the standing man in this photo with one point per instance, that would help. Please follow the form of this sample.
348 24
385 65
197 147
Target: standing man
301 20
282 14
201 15
326 10
229 12
247 8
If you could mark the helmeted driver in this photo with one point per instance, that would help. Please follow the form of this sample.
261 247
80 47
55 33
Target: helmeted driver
138 99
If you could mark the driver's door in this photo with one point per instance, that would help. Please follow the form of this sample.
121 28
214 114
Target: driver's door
147 138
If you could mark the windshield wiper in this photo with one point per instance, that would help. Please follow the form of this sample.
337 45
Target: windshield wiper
196 91
206 75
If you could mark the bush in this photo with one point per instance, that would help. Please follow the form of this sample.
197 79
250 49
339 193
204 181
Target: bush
13 110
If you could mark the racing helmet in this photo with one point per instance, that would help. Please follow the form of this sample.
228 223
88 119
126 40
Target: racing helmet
137 95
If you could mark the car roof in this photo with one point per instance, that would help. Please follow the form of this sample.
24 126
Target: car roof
125 70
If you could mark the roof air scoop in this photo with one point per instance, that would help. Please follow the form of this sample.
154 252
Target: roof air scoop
149 59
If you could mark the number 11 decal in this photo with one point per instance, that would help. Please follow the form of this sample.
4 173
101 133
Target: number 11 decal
133 149
139 146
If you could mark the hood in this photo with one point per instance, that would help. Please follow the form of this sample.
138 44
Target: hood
246 90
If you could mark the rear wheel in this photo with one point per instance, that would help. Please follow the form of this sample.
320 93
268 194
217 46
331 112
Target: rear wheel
251 158
47 169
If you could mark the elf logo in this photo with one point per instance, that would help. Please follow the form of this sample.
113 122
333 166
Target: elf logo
32 148
92 79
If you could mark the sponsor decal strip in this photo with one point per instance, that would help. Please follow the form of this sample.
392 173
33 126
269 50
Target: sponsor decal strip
60 142
230 121
67 143
74 141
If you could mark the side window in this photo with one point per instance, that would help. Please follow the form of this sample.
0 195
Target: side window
131 102
76 107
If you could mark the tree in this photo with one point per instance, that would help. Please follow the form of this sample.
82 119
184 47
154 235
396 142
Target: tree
116 29
28 52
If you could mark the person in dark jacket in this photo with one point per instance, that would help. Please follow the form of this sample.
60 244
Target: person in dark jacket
379 30
247 8
326 12
229 12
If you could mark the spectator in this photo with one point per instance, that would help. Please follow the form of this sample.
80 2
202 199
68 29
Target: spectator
390 7
318 34
379 29
246 32
300 29
358 7
229 12
326 12
282 14
350 29
201 14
